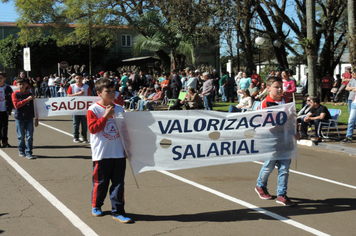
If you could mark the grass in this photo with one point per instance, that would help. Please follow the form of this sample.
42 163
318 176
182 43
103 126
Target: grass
224 106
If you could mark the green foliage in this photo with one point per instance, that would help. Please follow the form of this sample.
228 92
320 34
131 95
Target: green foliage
45 53
10 52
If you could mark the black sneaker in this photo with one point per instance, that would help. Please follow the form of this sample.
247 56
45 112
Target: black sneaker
85 140
347 140
76 140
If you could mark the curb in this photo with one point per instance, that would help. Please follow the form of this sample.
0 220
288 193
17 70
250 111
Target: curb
334 147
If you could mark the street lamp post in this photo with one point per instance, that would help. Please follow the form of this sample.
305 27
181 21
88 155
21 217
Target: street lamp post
238 46
259 41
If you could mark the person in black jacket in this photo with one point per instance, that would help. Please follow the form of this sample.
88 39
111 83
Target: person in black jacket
176 84
5 109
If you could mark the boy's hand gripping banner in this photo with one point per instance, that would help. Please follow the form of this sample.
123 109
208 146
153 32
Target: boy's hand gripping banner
193 138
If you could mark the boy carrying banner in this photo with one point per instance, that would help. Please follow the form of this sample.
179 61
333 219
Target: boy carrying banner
274 98
108 157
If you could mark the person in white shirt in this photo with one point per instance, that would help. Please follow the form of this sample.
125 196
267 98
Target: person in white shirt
51 86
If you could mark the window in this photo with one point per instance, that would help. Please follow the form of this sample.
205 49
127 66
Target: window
126 41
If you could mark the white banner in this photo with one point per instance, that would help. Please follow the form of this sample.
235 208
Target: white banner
194 138
62 106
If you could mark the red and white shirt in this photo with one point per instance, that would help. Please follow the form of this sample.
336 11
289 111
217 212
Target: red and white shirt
74 88
104 135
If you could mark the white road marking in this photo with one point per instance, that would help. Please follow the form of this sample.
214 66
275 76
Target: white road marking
316 177
51 127
246 204
73 218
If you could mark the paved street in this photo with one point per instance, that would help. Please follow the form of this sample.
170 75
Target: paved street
217 200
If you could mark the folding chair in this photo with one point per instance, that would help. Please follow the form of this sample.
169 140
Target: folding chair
331 123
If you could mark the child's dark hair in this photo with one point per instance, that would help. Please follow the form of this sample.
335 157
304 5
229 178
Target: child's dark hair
3 74
22 80
104 83
273 79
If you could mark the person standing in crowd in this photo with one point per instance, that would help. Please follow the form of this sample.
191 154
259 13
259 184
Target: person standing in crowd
44 87
123 83
230 89
51 86
176 84
215 77
244 83
223 82
326 84
256 78
336 85
37 85
79 89
57 85
207 91
24 114
350 88
274 98
346 77
192 80
305 84
288 86
133 81
108 155
318 113
5 109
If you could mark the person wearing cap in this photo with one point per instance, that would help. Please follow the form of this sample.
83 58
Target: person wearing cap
346 77
207 91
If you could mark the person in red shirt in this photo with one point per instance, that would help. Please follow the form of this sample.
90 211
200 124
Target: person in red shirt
256 78
79 89
346 77
326 85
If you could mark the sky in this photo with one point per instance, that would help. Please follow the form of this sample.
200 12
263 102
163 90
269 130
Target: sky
7 12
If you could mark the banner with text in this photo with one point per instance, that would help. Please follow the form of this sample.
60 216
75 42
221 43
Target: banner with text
194 138
62 106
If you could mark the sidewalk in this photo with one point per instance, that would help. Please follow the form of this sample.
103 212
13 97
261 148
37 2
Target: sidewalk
333 144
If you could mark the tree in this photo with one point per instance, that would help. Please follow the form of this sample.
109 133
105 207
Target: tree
310 46
351 8
10 52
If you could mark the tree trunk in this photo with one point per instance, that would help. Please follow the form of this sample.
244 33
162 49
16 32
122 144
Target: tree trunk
310 47
351 7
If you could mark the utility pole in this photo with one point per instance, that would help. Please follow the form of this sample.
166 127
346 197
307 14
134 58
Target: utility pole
310 47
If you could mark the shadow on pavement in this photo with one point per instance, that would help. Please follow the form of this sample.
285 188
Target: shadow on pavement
61 146
57 157
303 207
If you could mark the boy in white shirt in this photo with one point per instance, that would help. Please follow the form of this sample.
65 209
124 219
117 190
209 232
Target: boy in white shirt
79 89
108 157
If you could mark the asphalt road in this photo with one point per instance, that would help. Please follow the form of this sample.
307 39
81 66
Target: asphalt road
51 195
